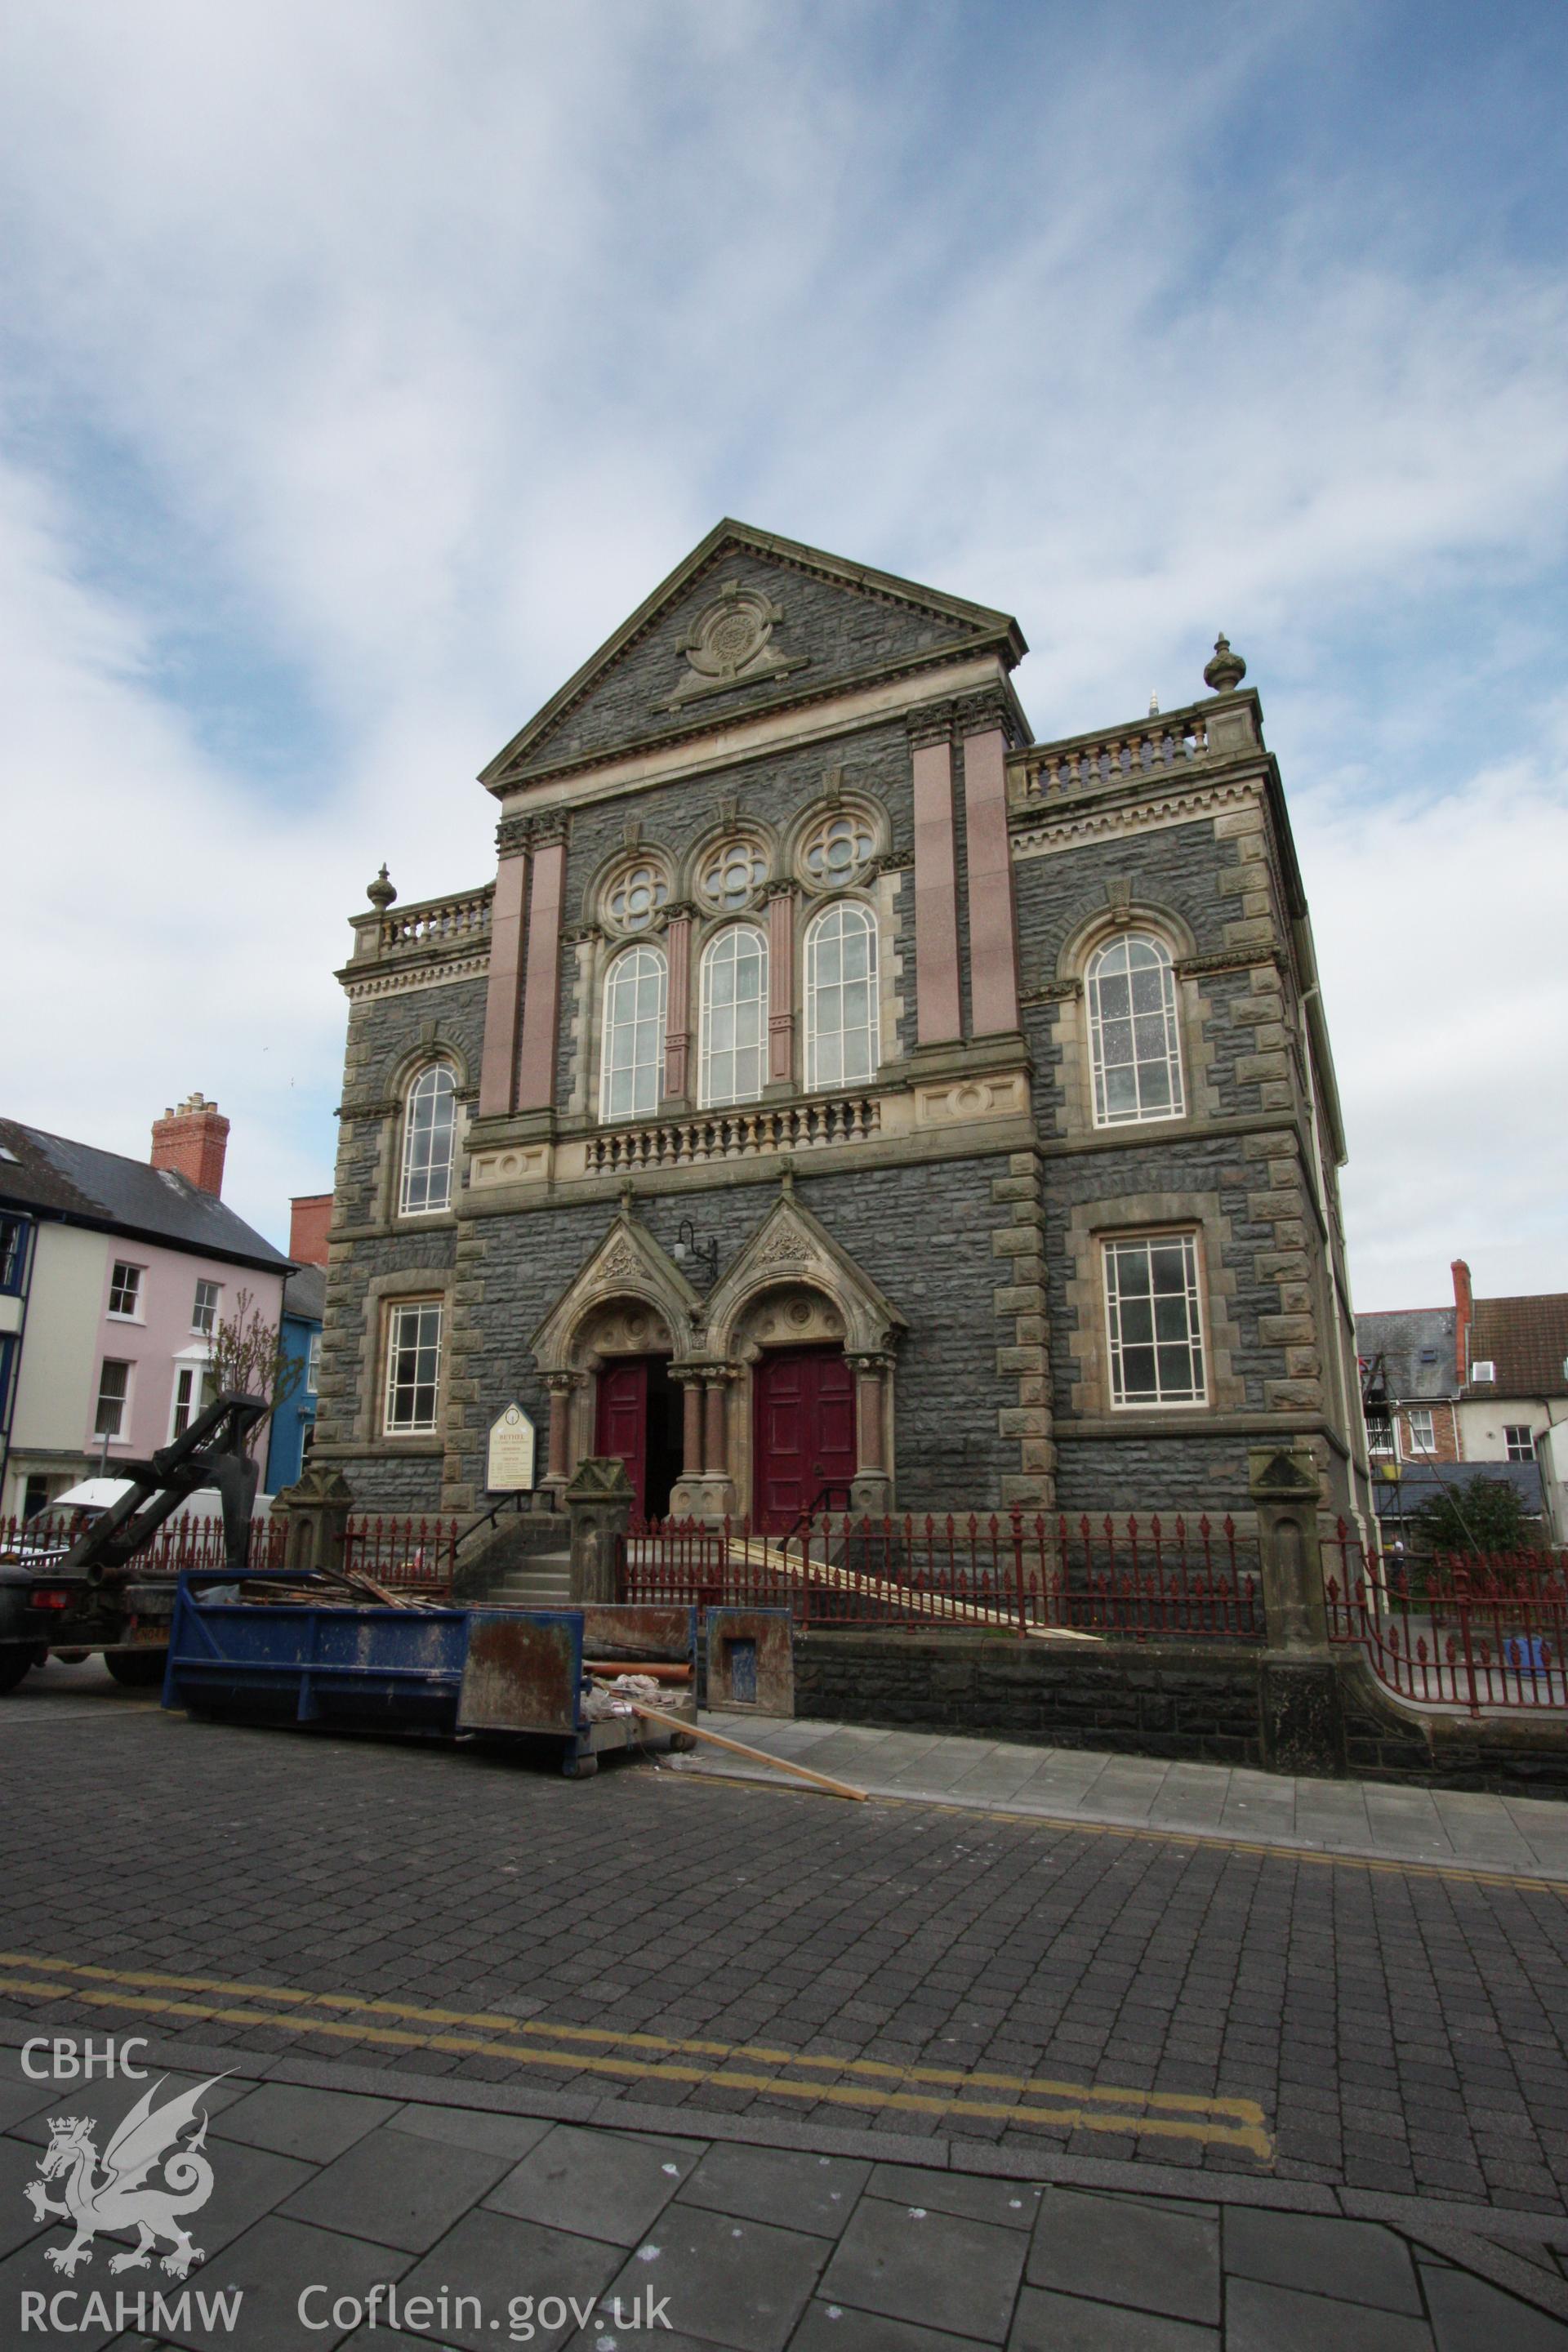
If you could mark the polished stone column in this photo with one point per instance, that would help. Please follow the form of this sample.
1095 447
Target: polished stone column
872 1490
678 1006
715 1449
542 992
503 995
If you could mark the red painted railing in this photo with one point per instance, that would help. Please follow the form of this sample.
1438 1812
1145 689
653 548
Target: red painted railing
180 1543
399 1552
1001 1573
1476 1632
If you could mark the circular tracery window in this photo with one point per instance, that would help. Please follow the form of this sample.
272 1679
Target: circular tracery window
731 874
636 896
838 847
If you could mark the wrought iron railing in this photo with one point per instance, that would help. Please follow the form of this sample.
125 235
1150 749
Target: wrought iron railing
1470 1633
1002 1574
188 1543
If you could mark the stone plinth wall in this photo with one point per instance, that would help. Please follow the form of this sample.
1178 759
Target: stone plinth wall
1219 1704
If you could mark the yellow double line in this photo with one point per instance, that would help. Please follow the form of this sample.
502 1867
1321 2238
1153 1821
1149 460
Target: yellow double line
859 2082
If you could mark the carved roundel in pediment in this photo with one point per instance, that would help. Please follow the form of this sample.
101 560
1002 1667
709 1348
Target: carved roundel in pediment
729 636
729 643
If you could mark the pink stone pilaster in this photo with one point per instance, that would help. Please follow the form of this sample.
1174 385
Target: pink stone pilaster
781 987
992 922
542 992
678 1006
937 1013
503 997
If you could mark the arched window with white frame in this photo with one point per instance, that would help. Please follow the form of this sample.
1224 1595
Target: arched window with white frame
734 1028
1134 1039
429 1141
841 1018
632 1063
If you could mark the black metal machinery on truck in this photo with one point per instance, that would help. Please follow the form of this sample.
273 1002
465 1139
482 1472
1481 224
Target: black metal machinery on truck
91 1596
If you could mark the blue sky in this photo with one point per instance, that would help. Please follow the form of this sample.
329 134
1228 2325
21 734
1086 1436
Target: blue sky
364 366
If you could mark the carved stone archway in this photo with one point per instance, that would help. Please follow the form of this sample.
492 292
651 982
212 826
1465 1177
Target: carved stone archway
630 1298
794 1285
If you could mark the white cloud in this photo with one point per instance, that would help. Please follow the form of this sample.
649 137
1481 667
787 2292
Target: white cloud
408 349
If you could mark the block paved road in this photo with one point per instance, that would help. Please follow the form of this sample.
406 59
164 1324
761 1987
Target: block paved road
704 1946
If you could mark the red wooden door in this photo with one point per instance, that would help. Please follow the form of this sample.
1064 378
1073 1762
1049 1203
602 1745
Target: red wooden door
804 1428
623 1420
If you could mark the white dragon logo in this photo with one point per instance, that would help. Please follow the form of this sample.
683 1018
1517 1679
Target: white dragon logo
116 2198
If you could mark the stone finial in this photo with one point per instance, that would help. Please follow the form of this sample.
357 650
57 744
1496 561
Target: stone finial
381 892
1153 703
1227 671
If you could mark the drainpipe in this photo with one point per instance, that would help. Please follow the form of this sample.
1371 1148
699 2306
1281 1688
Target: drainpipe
30 1247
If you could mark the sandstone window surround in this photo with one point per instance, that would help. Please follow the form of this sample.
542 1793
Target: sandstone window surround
1155 1326
1080 1348
1135 1051
429 1142
635 896
411 1396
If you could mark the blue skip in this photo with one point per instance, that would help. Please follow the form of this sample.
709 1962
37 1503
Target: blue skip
441 1672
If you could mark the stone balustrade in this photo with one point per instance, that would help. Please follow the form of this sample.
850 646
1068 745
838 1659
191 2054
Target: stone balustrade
739 1134
1166 743
437 923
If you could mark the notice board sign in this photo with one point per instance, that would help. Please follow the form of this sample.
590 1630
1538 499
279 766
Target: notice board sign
511 1452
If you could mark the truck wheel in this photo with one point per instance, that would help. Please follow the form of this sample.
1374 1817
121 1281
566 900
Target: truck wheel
14 1665
137 1669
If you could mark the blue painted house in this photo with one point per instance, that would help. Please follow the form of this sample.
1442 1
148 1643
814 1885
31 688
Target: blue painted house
304 1299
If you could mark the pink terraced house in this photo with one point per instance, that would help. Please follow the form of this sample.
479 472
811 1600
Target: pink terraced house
114 1274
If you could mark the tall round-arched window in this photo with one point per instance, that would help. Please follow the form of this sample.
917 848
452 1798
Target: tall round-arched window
734 1016
1134 1043
429 1137
632 1068
841 1024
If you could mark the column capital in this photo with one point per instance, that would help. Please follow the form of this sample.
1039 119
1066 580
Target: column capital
931 723
979 713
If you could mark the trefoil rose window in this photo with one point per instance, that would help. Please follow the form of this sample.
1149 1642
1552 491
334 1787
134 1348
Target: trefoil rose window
731 876
734 1007
633 1072
429 1137
636 896
838 849
1134 1042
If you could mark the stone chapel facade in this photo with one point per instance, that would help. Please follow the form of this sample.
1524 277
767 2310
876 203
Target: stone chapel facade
839 1096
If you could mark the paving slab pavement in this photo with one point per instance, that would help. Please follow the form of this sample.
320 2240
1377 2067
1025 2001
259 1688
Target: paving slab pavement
1228 1803
429 2212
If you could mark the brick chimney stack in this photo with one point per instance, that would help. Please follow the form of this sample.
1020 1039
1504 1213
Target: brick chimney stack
1464 1315
310 1214
191 1141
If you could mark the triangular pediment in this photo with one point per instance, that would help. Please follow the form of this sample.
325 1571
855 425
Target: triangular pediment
748 621
791 1246
628 1264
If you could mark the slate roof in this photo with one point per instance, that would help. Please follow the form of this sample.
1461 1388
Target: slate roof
305 1294
82 1185
1417 1344
1527 1339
